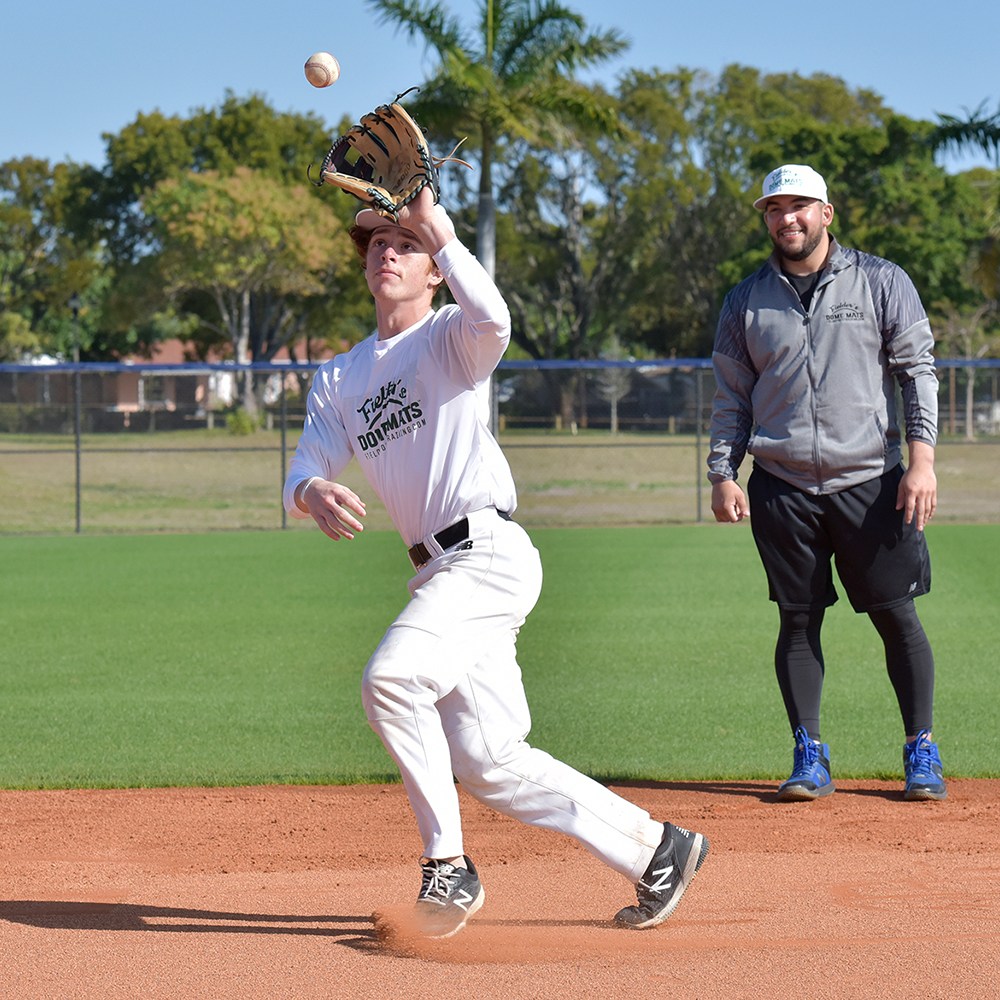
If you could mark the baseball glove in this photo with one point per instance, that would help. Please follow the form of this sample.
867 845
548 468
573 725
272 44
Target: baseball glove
391 164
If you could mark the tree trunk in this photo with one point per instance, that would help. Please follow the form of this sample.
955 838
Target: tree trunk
567 403
970 395
243 356
486 234
486 218
951 400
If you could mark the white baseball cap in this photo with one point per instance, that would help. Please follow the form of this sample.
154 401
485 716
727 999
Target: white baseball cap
368 218
792 178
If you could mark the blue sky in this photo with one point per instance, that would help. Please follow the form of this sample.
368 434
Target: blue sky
70 71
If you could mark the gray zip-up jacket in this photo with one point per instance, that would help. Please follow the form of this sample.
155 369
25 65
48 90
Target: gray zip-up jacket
810 394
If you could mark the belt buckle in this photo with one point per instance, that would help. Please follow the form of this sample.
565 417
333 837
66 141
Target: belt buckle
419 555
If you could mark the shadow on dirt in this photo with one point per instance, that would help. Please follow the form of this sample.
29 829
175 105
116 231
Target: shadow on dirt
761 791
84 916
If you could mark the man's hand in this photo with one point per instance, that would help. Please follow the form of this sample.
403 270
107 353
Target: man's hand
917 496
728 502
330 505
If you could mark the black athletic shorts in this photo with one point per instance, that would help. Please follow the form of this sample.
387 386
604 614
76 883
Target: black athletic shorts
881 560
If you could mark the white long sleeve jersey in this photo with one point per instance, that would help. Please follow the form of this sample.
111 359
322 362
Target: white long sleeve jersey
414 410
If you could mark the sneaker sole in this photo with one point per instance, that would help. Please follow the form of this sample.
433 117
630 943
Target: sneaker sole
699 851
924 795
799 793
473 908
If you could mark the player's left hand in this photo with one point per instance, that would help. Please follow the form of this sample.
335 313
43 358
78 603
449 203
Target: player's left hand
428 220
917 495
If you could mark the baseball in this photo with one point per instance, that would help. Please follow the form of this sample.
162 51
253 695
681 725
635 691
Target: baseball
322 69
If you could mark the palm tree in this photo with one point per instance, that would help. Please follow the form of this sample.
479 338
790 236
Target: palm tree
977 130
982 131
510 78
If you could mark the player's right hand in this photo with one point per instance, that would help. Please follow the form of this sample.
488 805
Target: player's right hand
729 503
331 506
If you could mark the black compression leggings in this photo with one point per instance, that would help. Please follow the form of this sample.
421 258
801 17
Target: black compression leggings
910 663
798 663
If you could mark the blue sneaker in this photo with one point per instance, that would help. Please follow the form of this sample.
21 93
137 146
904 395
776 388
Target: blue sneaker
811 772
924 773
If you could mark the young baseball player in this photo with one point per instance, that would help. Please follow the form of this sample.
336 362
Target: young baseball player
443 689
807 354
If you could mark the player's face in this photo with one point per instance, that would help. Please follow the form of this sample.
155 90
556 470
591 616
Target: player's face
797 225
398 266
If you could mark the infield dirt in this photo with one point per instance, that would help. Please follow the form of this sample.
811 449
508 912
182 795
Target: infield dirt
268 892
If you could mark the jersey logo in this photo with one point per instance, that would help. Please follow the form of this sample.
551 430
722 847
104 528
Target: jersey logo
388 414
391 394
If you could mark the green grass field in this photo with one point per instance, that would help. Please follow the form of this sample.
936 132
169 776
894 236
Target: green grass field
235 658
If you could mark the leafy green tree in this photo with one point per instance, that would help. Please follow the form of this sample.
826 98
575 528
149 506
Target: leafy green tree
718 136
254 259
114 205
41 263
240 132
17 339
670 226
548 270
891 199
512 77
673 212
623 237
550 274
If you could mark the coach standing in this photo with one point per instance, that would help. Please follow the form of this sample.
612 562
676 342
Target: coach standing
806 354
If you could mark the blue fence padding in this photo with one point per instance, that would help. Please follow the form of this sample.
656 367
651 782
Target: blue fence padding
197 367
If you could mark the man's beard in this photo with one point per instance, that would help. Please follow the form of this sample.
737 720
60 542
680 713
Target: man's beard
807 248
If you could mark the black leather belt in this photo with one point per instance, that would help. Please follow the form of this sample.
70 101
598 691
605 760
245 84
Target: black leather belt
447 537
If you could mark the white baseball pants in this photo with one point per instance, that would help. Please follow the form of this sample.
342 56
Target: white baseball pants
443 690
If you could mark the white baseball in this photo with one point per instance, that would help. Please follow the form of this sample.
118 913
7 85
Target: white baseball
322 69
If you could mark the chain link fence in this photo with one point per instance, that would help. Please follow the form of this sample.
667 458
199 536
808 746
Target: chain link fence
127 448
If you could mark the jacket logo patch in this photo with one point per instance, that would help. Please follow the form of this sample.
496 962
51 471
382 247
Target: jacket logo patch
846 312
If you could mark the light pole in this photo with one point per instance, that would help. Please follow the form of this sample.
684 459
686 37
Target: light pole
74 304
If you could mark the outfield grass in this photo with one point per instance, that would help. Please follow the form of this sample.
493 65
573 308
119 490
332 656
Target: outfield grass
235 658
210 480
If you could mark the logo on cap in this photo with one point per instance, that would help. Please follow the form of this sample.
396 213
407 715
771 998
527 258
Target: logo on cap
794 179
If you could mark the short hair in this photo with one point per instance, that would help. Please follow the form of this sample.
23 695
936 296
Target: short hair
361 238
